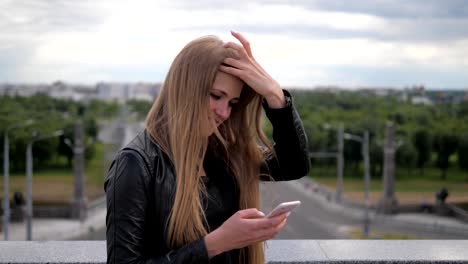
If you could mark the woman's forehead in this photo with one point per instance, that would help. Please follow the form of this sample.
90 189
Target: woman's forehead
228 84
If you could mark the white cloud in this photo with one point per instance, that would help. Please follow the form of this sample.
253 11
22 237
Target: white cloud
359 52
93 39
286 15
37 73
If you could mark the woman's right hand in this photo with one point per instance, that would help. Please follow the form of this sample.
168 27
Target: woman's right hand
243 228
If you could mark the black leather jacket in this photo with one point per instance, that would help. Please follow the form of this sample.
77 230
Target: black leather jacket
140 189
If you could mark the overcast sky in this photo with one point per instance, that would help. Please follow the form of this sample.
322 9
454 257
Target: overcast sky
302 43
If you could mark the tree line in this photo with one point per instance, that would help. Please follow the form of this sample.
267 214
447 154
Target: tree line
49 114
429 135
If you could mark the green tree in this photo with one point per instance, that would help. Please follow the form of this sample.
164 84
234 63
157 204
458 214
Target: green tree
463 152
376 159
462 109
139 107
64 149
445 144
422 142
406 156
49 114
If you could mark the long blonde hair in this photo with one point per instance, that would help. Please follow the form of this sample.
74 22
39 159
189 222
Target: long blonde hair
176 123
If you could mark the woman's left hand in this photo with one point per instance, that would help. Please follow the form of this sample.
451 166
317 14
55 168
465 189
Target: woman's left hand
247 69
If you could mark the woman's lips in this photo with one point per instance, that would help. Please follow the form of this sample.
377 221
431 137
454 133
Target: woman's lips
216 121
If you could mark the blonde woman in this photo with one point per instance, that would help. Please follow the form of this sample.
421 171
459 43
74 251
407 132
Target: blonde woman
186 189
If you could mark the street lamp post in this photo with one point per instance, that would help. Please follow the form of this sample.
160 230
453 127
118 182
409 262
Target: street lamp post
6 175
365 154
79 198
29 169
339 160
364 140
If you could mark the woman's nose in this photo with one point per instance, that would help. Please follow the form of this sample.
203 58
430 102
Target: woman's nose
223 112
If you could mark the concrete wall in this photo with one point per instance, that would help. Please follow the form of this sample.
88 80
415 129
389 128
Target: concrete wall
278 251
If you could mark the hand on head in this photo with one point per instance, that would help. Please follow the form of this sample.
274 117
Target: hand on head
249 70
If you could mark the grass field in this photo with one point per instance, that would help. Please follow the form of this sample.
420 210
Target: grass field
55 186
410 186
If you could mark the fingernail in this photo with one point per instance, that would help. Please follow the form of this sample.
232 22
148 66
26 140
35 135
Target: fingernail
288 214
233 32
262 214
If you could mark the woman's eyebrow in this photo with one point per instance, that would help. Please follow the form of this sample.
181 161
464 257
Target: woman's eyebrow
224 93
220 91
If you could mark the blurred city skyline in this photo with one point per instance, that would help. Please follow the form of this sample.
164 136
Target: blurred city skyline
301 43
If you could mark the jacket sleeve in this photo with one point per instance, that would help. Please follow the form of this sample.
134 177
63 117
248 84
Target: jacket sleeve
127 204
290 160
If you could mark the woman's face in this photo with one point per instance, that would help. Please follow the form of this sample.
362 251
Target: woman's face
224 95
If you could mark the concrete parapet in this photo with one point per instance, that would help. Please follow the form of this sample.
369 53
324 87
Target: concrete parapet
277 251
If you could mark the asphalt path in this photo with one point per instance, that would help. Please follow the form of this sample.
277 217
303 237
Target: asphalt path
347 221
308 221
314 219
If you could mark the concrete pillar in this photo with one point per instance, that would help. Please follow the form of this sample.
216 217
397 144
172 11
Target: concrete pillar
6 196
29 203
79 198
339 164
365 154
388 203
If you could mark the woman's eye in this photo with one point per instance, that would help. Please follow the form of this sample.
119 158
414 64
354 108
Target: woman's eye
216 97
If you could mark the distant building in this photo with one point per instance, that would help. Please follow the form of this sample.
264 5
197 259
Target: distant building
62 90
24 89
121 92
421 100
111 92
144 91
117 92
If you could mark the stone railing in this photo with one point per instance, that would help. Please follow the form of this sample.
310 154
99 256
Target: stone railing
277 251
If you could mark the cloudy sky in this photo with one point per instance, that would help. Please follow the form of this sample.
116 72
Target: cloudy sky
302 43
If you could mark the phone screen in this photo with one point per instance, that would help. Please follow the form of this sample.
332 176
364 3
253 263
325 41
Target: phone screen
283 208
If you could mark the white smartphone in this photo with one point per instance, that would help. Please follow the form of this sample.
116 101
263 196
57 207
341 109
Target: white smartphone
283 208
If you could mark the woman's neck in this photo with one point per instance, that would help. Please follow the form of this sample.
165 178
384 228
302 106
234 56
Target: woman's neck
202 172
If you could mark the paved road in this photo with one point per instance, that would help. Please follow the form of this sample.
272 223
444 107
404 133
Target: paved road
346 219
312 221
307 222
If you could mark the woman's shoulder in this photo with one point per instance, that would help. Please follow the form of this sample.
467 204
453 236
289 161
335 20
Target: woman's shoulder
143 144
151 153
141 157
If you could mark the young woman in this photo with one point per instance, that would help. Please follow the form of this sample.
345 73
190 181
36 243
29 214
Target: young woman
186 189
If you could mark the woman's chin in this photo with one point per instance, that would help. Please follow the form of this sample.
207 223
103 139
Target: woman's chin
211 131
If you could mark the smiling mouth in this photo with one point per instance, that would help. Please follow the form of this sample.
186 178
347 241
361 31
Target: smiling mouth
216 121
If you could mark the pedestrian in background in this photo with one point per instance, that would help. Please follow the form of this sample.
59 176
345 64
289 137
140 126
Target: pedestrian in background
186 189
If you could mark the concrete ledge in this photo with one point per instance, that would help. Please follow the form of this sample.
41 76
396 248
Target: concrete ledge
278 251
53 252
458 212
